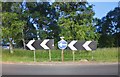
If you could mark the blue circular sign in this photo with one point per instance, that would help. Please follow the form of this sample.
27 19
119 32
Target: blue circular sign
62 44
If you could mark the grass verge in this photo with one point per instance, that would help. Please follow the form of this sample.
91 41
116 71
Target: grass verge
99 55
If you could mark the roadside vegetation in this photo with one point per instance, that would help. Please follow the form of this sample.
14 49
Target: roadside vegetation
24 21
99 55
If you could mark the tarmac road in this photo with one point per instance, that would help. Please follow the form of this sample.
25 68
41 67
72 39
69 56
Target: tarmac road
60 69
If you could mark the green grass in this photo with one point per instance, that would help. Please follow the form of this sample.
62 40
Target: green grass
99 55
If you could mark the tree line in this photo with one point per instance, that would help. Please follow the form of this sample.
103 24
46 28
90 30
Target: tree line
23 21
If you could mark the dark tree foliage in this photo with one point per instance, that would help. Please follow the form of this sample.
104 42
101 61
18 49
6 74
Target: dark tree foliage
45 16
109 28
73 20
76 20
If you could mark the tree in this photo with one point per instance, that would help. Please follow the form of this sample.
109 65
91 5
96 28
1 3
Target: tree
40 17
109 28
45 17
11 27
76 21
0 21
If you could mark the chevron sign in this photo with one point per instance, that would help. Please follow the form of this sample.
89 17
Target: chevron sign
82 45
40 44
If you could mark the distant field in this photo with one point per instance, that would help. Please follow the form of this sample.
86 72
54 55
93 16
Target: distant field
99 55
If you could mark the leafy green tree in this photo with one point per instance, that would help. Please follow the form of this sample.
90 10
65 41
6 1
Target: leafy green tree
41 14
16 7
0 21
6 6
11 27
76 21
109 29
45 16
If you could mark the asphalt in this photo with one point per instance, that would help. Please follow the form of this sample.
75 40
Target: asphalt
60 69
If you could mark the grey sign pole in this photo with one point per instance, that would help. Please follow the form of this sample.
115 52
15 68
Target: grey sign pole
92 55
29 45
73 55
62 44
82 45
62 55
49 55
34 56
73 48
46 44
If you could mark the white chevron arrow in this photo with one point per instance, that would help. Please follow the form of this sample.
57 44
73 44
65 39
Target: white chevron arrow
70 45
43 44
85 45
29 45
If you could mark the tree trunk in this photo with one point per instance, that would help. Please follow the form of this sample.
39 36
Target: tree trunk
11 46
24 47
23 40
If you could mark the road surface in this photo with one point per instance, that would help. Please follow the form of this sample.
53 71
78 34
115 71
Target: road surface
60 69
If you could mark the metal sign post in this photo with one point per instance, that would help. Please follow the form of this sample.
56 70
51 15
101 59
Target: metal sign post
49 55
73 55
34 56
62 44
73 48
92 55
46 44
82 45
62 55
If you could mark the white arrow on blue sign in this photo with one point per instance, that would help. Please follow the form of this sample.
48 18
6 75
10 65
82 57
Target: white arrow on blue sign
62 44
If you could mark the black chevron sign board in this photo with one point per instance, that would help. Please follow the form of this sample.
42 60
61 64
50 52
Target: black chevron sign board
40 44
82 45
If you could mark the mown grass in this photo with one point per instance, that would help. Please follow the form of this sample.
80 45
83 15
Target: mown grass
99 55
